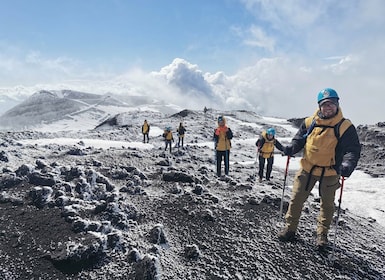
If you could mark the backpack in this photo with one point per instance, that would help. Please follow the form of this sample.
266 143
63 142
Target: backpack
326 158
339 128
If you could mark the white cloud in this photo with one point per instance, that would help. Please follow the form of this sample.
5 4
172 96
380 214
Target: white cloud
186 77
30 67
343 64
287 15
258 38
279 86
311 45
185 85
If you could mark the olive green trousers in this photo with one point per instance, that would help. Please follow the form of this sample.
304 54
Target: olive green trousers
303 184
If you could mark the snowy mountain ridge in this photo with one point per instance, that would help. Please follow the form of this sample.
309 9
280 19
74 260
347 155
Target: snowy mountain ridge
69 109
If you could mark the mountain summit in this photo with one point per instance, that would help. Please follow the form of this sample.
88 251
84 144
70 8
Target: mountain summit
49 106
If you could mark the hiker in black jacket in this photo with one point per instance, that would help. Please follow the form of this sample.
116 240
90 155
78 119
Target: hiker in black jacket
181 131
331 149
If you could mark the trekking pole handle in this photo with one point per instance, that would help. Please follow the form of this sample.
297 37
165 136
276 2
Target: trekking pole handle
287 163
283 154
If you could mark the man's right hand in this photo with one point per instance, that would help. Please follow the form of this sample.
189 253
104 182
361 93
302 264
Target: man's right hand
288 151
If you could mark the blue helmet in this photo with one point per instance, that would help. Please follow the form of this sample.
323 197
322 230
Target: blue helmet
328 93
270 131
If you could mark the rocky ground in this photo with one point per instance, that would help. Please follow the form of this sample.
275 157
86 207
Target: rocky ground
78 212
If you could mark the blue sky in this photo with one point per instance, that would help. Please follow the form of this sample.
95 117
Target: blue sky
117 34
238 54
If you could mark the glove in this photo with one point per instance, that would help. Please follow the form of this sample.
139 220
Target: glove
288 151
346 169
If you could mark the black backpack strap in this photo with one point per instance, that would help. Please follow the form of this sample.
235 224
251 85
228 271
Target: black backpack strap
337 128
310 129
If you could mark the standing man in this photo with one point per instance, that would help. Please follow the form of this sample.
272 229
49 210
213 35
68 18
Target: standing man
181 131
145 131
265 148
331 149
168 138
222 138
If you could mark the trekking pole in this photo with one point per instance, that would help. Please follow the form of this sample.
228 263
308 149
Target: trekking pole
227 159
338 216
256 165
284 186
215 155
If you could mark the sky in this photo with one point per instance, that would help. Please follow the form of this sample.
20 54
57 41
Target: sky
272 57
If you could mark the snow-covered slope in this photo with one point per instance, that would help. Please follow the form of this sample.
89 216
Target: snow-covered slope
72 110
97 203
50 106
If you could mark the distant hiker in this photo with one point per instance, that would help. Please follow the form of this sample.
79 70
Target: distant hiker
145 131
265 145
222 137
331 149
181 130
168 138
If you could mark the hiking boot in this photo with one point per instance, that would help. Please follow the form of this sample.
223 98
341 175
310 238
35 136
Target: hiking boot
286 235
322 240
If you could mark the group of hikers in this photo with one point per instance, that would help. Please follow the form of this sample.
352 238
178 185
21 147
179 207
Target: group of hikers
167 135
331 150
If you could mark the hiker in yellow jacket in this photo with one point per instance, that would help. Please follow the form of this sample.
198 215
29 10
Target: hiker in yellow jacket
331 149
266 144
168 137
222 137
145 131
